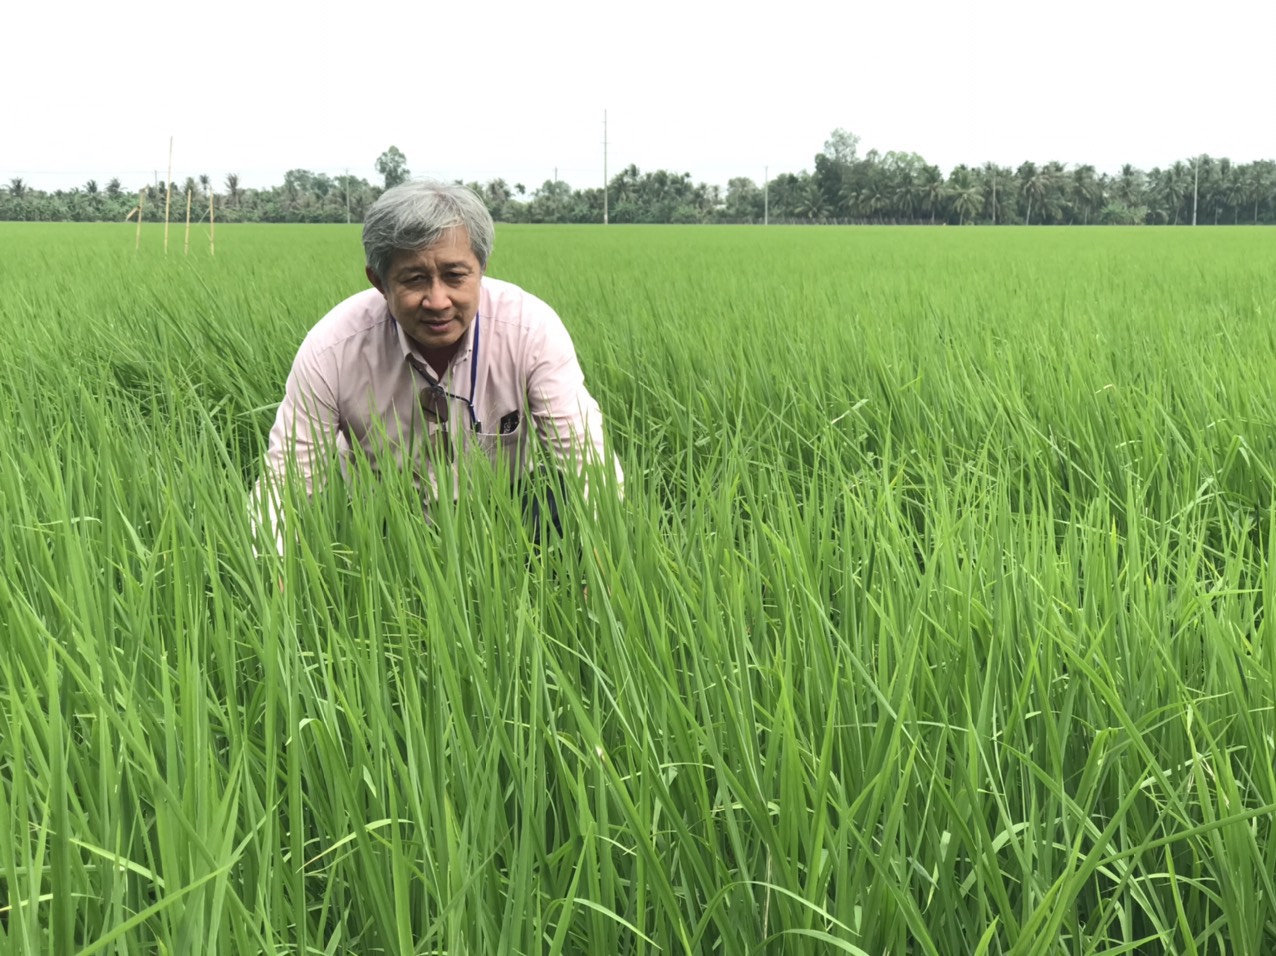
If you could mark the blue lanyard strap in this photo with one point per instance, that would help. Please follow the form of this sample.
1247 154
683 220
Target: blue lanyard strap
474 357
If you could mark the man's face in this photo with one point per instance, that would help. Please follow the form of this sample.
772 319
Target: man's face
433 293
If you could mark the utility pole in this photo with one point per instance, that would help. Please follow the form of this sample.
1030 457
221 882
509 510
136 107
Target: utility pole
604 167
994 195
766 195
555 194
347 195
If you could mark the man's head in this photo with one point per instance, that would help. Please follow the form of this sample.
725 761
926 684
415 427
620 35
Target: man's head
427 245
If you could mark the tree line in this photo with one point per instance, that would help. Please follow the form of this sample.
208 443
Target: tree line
843 187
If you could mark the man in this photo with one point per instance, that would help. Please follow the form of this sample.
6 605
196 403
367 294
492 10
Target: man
435 363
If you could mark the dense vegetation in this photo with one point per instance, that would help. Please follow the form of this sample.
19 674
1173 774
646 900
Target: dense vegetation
933 619
844 187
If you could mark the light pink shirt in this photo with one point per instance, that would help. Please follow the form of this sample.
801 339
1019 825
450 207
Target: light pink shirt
352 385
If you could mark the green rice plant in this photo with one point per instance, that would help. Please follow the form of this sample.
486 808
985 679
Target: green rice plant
932 619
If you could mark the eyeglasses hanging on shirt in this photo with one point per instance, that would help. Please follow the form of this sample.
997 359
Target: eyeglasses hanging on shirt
436 401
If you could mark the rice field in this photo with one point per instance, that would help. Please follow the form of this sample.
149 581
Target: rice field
932 620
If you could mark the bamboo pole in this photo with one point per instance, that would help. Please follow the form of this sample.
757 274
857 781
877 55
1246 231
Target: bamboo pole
187 250
168 192
212 226
141 198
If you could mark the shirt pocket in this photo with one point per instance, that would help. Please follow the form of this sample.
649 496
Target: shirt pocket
506 450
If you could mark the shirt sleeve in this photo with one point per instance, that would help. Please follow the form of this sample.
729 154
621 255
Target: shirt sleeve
302 440
567 417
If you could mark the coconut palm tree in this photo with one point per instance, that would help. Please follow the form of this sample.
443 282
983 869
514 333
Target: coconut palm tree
905 192
1235 190
1174 182
811 202
1129 186
934 190
967 194
1259 183
1213 177
998 189
1087 194
870 200
1034 186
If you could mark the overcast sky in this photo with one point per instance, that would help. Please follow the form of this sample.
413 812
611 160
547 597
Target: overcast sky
514 89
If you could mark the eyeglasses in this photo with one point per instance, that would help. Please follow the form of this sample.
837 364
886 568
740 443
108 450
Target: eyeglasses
435 400
436 404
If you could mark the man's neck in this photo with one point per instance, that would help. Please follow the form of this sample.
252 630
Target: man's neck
440 359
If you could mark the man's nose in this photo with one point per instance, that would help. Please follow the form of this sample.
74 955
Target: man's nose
436 296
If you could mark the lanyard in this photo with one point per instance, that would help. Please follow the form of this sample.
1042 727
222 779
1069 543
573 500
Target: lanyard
474 357
437 383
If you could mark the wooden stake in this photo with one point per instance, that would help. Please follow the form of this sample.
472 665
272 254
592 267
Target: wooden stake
212 225
168 192
141 198
187 250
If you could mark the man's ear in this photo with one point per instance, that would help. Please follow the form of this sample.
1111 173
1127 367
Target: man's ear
374 279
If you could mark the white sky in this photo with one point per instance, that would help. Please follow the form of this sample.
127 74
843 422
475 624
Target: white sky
513 88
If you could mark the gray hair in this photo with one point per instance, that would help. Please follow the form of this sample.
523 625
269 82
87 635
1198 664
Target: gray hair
416 214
